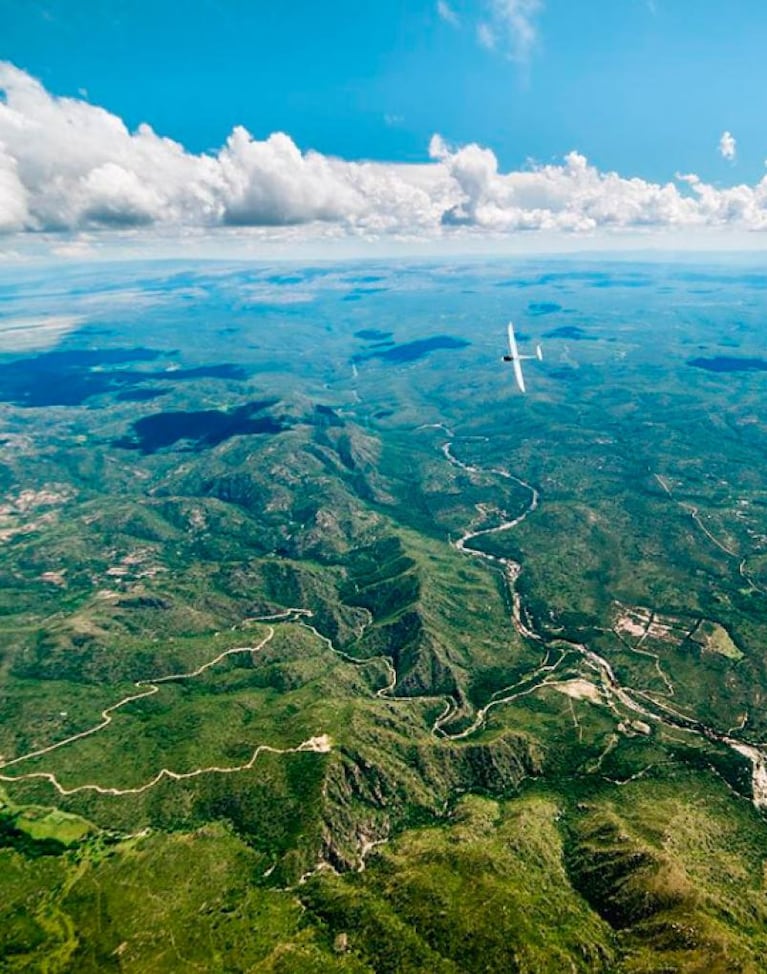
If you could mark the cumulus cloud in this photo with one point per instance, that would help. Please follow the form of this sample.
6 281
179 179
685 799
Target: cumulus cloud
446 13
13 195
574 196
68 165
727 146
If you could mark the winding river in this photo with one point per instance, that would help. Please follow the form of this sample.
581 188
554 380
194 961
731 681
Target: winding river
608 690
614 692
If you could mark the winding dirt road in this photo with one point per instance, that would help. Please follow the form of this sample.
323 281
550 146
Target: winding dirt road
608 688
319 743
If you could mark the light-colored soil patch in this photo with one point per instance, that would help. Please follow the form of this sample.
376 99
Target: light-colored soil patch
54 578
644 625
6 533
15 511
672 623
135 564
579 690
758 772
632 622
321 744
665 629
632 727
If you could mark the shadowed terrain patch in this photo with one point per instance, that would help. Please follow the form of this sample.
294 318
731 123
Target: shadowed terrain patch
563 375
360 292
372 334
570 331
543 308
412 351
205 428
729 363
69 378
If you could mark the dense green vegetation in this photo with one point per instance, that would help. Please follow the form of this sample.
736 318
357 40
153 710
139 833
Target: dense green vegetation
332 689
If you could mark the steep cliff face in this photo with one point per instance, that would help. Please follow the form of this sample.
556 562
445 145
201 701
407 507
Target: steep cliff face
374 634
387 581
422 902
319 519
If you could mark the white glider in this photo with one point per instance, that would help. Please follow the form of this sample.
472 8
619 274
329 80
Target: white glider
516 359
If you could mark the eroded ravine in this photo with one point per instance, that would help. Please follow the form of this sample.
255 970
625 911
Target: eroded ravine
555 651
614 691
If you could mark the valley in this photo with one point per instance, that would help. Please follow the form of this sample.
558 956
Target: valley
328 646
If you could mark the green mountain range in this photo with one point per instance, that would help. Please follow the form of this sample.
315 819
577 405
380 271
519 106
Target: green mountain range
362 662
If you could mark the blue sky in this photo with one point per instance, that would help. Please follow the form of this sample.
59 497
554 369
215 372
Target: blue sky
642 87
429 119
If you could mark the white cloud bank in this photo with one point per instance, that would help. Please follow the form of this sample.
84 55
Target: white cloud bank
727 146
68 165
